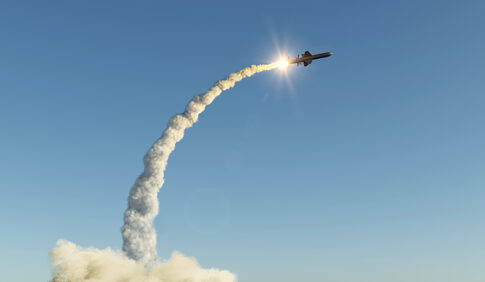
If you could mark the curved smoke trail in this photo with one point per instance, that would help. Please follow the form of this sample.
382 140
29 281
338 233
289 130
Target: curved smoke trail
139 236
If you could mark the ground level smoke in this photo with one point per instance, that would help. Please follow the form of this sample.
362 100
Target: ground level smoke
75 264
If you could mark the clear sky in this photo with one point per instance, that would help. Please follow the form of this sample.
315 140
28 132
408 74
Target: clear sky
366 166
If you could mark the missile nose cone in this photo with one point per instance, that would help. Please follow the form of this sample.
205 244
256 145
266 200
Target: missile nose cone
330 53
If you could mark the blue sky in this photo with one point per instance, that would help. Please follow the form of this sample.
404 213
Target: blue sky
365 166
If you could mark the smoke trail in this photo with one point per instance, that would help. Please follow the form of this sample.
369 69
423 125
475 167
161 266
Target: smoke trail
139 236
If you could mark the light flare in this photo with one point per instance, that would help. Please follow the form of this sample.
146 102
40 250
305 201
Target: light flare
283 63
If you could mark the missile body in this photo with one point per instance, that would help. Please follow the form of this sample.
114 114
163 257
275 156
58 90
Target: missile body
307 58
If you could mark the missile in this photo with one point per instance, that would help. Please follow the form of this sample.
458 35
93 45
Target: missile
307 58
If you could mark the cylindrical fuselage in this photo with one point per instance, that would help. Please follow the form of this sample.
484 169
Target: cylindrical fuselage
322 55
310 58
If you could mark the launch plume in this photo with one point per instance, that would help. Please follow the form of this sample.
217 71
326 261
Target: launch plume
139 236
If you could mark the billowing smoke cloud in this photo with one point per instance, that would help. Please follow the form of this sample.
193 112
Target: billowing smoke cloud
74 264
139 236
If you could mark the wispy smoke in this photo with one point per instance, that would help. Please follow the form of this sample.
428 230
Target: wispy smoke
139 236
74 264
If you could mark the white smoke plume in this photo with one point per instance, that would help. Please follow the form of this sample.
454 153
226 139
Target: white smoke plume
75 264
139 236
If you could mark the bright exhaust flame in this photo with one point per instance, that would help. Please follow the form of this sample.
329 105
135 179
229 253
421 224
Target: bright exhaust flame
283 63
